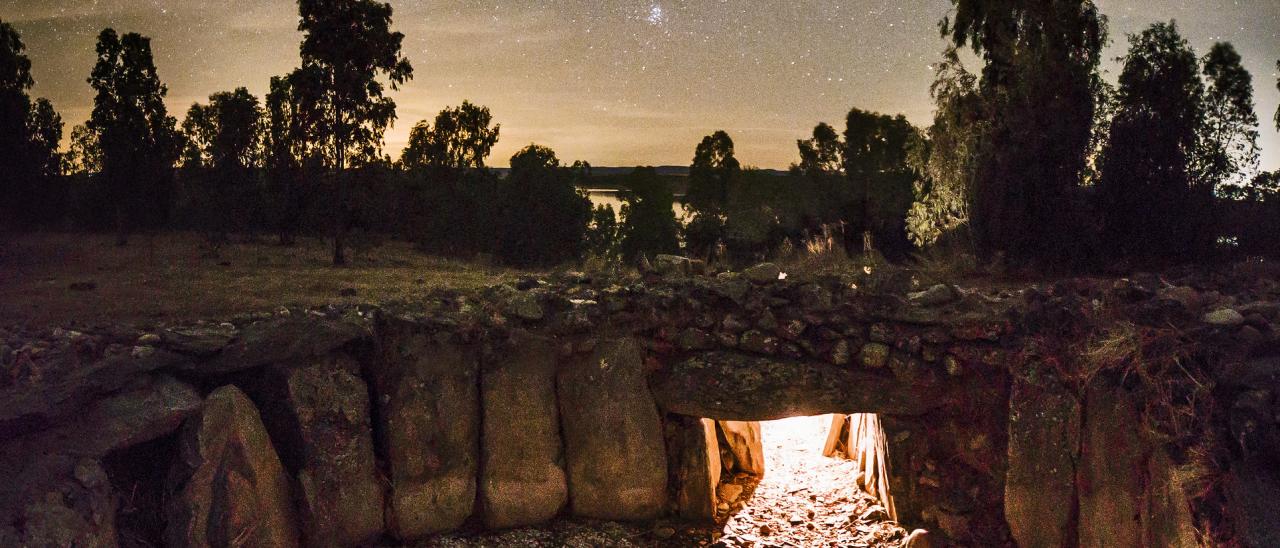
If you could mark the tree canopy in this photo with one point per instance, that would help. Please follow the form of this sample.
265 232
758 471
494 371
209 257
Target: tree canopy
1229 152
461 138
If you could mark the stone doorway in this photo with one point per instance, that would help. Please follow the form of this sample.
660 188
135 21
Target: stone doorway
811 492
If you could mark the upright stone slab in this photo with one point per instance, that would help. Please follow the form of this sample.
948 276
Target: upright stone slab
322 414
613 435
228 488
427 393
1111 469
523 481
1044 443
1166 516
696 467
745 442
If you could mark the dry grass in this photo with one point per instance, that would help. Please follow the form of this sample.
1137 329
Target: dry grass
178 276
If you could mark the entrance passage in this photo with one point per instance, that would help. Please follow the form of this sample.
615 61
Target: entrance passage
807 498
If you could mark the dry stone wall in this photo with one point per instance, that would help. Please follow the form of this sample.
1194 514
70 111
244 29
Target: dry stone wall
611 400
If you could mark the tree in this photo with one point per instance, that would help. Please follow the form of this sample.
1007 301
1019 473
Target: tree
29 136
1039 90
1278 88
461 139
1155 205
224 150
1229 152
138 138
85 156
875 162
712 173
349 44
649 225
603 233
47 192
944 156
823 154
293 145
544 216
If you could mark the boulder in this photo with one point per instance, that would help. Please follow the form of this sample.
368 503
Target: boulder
152 408
614 445
671 265
523 480
1224 317
317 411
936 295
228 487
744 441
55 500
763 273
695 467
426 389
281 340
1111 469
1044 445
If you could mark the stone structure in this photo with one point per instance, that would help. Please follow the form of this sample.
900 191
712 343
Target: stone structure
1012 416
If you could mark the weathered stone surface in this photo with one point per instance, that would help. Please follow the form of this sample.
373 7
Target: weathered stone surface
523 480
201 341
281 340
1252 489
1044 444
151 408
427 393
874 355
696 467
671 265
229 487
524 305
66 381
55 500
1166 514
730 386
1225 317
614 446
762 273
936 295
744 441
318 413
1111 469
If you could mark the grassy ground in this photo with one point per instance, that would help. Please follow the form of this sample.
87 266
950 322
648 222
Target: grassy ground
178 276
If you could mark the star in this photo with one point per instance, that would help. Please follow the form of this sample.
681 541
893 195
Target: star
657 15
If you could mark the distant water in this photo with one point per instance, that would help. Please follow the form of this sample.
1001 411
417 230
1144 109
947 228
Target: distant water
609 197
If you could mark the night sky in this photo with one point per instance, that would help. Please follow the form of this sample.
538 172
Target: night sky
612 82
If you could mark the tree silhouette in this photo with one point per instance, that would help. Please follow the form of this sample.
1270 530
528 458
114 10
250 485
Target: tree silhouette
945 156
1039 91
1155 206
461 139
603 233
823 154
294 146
875 162
137 136
544 216
1229 153
47 194
15 79
649 225
1278 88
224 149
349 44
712 173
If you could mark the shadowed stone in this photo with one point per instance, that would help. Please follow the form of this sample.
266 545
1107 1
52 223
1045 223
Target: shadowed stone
613 436
228 487
744 441
1044 445
523 482
282 340
1112 466
427 393
696 467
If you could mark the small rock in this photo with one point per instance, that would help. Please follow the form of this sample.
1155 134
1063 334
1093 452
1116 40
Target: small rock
840 353
150 339
729 492
765 530
140 352
758 342
874 355
671 265
918 539
763 273
795 519
664 533
1186 296
952 365
874 513
525 306
1225 317
937 295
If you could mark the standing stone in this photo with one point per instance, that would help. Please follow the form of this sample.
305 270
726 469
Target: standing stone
697 467
613 435
1166 516
321 418
427 392
523 481
1112 468
1044 443
744 440
228 488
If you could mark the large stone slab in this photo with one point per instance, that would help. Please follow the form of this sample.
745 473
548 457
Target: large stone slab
523 481
281 340
56 500
317 411
1111 470
1044 445
696 467
427 392
745 442
613 435
1166 516
228 488
731 386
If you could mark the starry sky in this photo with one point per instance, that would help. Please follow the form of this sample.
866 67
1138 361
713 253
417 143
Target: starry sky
613 82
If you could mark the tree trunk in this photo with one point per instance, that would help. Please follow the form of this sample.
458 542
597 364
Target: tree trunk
340 216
